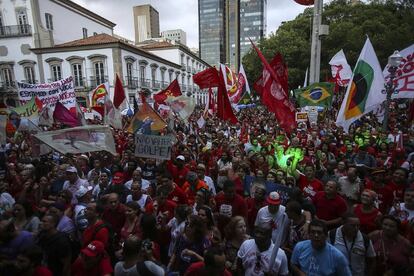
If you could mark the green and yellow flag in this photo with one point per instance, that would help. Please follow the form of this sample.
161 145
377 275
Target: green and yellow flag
316 94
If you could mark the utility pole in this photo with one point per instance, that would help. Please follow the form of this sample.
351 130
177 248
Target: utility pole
315 62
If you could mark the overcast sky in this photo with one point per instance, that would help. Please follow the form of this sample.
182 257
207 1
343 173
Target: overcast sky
179 14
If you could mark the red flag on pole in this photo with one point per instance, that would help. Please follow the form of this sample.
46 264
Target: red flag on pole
119 94
63 115
224 109
273 89
173 90
207 78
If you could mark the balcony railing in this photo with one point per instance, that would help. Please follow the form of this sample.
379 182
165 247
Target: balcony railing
7 85
145 83
156 84
132 82
164 84
15 30
30 81
94 82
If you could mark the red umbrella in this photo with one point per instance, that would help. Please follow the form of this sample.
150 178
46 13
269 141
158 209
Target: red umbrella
305 2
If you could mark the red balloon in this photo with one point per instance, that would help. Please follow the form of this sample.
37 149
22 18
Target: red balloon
305 2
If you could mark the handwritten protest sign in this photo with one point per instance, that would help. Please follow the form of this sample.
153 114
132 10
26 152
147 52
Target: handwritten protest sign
153 146
50 93
301 117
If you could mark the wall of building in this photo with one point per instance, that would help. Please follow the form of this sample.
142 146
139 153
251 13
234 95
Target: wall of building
71 27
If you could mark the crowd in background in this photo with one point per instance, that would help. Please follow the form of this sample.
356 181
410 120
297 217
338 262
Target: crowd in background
243 199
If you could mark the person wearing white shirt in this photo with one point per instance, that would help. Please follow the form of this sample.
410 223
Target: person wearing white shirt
275 215
136 176
260 256
201 172
74 182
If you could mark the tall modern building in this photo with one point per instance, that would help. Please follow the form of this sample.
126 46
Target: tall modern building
234 22
211 31
146 23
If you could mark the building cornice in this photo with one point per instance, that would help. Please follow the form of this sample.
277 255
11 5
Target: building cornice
119 44
81 10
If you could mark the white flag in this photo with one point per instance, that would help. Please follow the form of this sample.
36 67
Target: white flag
404 75
364 93
340 68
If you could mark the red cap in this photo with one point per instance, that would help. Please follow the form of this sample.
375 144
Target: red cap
118 178
94 249
273 198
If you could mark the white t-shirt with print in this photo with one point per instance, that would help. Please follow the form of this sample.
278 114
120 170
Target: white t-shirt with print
280 223
256 263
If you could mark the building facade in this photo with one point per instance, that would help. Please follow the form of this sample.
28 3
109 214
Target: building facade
189 63
34 24
235 22
211 31
38 46
146 23
177 35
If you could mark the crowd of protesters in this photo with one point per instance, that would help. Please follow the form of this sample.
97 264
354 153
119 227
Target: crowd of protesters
243 199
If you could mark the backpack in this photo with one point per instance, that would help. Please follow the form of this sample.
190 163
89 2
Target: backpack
332 237
110 248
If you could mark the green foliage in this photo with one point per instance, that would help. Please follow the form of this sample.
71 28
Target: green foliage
389 25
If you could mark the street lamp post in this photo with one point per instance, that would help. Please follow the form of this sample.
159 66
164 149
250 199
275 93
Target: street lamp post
393 62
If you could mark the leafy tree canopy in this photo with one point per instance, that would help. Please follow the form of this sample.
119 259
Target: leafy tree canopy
389 25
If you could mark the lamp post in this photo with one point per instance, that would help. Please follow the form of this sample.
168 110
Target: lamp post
393 62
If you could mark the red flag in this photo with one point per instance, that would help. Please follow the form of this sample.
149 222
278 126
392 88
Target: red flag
119 94
207 78
273 89
173 90
63 115
224 109
211 103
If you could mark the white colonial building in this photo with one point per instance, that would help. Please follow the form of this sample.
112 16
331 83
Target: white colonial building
47 40
189 62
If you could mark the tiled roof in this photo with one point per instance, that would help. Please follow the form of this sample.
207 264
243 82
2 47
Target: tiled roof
92 40
161 44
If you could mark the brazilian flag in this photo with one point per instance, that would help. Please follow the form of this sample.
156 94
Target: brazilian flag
316 94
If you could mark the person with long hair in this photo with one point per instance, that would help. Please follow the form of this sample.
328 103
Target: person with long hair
206 214
235 234
24 218
391 248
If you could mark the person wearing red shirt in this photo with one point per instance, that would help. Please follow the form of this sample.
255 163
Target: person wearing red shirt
308 184
229 204
330 206
93 261
214 264
192 186
175 193
367 213
95 229
399 183
178 170
114 213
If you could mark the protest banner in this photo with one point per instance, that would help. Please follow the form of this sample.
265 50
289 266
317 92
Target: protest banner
301 117
153 146
79 139
50 93
28 110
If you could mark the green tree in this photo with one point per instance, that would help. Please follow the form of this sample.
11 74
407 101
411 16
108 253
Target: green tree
389 25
